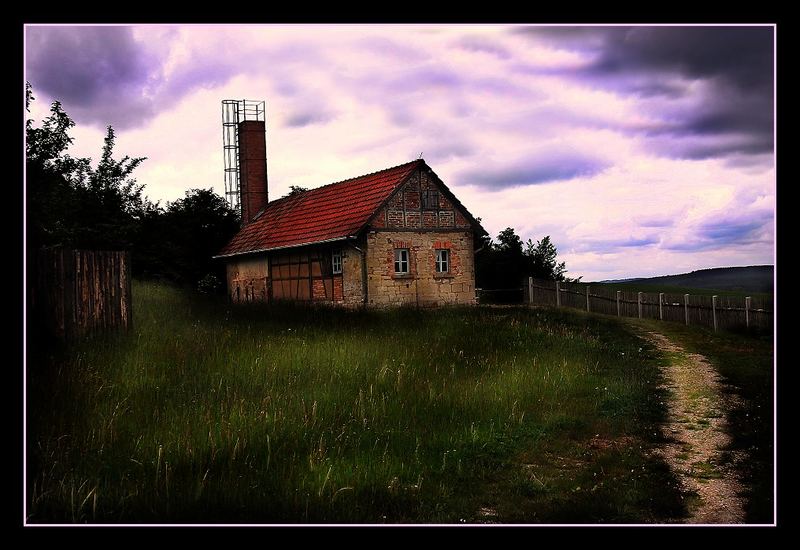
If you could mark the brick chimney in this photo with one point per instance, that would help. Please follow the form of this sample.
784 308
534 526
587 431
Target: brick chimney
252 168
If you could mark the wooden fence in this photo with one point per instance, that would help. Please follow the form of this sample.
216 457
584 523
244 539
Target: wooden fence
78 291
717 312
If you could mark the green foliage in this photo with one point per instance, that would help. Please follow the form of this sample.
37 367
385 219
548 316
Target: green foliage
296 190
73 204
292 414
506 263
177 242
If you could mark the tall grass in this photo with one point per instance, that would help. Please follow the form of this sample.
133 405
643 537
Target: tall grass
208 412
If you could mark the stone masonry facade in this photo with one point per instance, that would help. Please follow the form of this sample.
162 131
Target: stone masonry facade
422 286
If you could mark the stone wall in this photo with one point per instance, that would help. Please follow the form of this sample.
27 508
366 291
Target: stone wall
422 286
352 286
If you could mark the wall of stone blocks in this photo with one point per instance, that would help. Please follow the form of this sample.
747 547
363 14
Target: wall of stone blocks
352 291
422 286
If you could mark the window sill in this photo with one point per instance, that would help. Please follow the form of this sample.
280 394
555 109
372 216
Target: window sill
444 276
402 276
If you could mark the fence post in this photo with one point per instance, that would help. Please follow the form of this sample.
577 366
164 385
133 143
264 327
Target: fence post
686 306
639 301
714 310
618 310
558 294
661 306
747 311
530 290
587 298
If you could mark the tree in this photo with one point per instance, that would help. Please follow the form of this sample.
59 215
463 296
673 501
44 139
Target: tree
295 190
177 243
504 264
542 260
76 205
70 203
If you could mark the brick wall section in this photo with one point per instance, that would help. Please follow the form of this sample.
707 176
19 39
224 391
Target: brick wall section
414 220
318 289
395 218
412 199
252 168
423 285
429 219
404 208
446 218
246 278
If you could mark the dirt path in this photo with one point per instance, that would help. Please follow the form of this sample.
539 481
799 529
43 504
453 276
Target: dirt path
698 432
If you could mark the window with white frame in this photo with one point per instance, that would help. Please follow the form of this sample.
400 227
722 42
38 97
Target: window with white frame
336 262
401 261
442 260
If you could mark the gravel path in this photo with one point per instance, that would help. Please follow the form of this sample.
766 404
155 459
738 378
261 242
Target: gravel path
698 433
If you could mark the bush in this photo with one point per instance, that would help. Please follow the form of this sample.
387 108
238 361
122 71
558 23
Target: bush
210 284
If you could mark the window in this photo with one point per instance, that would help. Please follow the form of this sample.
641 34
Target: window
442 260
401 261
430 199
336 262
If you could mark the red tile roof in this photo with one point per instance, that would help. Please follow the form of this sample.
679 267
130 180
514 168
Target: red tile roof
327 213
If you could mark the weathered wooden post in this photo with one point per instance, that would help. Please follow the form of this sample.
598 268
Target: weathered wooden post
661 306
558 294
587 298
714 310
530 290
686 306
639 301
747 311
619 292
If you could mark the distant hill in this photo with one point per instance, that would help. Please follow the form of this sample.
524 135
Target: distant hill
754 278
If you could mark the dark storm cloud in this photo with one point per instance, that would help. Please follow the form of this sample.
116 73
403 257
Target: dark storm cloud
104 76
740 56
726 232
735 63
90 69
541 167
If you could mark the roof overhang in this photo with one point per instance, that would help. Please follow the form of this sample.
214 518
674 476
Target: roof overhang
282 247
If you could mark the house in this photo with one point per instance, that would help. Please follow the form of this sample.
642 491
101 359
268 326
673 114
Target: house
392 237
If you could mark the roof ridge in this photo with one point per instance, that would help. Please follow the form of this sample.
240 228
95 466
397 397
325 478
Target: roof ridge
358 177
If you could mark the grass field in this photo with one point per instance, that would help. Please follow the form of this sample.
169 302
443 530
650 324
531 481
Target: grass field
212 413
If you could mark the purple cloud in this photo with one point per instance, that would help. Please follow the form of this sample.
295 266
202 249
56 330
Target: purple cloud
540 167
91 69
725 232
656 222
384 47
308 117
611 245
736 63
483 45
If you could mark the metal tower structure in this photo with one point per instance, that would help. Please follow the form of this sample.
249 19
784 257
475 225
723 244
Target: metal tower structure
235 111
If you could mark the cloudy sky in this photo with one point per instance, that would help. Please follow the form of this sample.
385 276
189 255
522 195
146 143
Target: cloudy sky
639 150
